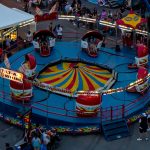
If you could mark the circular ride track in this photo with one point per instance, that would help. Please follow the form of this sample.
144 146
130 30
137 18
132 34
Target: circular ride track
75 76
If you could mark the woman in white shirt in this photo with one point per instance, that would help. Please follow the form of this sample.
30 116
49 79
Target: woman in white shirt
29 37
59 32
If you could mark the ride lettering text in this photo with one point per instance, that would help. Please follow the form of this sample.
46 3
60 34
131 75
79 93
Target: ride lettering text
11 75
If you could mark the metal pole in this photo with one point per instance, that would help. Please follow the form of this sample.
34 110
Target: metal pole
123 106
2 41
3 99
147 33
123 110
23 93
147 39
116 34
3 80
49 93
111 112
47 114
117 47
134 39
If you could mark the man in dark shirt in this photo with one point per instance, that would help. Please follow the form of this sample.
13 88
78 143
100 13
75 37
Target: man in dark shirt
8 147
143 126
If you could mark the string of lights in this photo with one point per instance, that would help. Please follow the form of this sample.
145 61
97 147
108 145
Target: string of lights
117 90
102 22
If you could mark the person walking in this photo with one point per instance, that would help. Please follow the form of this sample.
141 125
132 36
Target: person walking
143 126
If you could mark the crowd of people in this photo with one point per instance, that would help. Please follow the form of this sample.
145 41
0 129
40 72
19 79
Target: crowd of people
39 139
78 9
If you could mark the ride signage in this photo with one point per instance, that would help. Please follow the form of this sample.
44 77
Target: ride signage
11 75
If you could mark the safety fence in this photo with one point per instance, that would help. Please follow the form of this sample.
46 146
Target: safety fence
104 114
123 111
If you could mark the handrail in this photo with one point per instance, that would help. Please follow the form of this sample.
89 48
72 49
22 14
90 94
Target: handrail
108 113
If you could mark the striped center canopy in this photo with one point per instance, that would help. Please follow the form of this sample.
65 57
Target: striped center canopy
75 76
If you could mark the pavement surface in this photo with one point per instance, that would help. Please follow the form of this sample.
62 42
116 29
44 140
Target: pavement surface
12 4
12 134
97 142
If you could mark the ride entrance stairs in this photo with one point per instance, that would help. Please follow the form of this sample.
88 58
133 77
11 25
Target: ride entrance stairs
115 129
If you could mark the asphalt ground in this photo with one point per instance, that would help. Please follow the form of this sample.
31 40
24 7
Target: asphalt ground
97 142
12 135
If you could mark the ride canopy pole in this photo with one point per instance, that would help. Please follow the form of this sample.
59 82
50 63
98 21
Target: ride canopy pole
117 48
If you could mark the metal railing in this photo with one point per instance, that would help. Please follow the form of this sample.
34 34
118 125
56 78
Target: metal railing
105 114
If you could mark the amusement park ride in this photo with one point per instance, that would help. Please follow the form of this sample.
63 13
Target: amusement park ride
51 15
23 91
43 42
91 43
77 86
88 102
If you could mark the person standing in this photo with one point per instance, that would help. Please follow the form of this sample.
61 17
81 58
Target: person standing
8 42
29 37
51 27
143 126
59 32
37 130
50 4
8 147
26 6
46 140
148 120
103 15
36 142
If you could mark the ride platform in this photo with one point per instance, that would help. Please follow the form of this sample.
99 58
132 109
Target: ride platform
58 111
